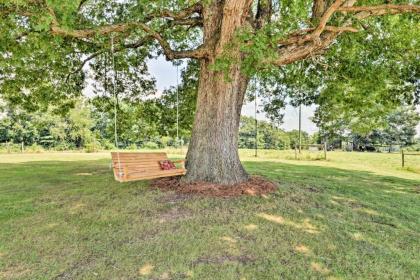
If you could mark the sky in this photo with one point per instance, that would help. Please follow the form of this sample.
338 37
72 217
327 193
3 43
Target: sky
166 76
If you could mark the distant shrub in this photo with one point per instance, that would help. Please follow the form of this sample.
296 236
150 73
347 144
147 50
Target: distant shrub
107 145
132 147
64 146
413 148
34 149
166 141
93 146
90 148
10 148
151 145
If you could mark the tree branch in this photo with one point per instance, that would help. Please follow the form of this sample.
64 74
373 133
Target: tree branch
264 12
300 45
294 53
81 3
326 17
20 12
302 37
318 9
382 9
171 54
185 13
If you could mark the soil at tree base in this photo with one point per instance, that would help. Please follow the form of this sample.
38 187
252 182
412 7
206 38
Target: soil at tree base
254 186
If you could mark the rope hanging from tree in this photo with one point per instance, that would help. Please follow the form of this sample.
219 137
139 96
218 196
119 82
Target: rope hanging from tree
114 93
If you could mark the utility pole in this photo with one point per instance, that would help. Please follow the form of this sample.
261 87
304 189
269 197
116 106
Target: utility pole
300 127
256 126
177 106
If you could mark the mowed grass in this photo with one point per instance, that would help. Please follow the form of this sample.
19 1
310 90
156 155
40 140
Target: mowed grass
355 216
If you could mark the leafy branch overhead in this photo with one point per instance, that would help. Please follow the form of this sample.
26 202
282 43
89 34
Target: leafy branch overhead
136 23
59 38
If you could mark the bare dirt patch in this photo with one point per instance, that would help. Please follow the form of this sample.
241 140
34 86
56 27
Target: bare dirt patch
175 213
253 187
174 198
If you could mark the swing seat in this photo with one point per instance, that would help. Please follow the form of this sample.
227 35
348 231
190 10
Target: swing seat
142 166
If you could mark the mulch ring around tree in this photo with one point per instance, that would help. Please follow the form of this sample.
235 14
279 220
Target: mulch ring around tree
254 186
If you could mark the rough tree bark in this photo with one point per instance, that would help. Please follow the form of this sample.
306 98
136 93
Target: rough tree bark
213 151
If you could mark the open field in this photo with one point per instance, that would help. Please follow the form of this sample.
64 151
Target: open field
355 216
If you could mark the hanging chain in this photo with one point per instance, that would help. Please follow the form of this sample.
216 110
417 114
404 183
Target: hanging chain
114 80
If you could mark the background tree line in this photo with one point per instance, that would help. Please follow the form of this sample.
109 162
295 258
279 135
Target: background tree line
152 124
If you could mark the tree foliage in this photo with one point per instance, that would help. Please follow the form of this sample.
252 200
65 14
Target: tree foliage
59 38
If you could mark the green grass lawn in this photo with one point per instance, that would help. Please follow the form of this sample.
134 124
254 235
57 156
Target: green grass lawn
355 216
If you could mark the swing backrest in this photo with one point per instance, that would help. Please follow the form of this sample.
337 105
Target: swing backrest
140 166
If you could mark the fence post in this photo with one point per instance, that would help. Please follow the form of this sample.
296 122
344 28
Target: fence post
402 158
295 152
325 150
22 148
8 147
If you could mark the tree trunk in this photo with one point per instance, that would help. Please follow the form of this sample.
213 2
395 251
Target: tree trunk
213 152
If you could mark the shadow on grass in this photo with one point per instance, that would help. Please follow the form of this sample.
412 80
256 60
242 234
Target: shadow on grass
45 172
20 181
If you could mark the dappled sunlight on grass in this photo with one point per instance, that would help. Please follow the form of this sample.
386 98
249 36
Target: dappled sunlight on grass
77 207
14 272
303 249
357 236
343 198
369 211
84 174
318 267
164 276
305 225
251 227
146 269
52 225
272 218
395 191
228 239
230 245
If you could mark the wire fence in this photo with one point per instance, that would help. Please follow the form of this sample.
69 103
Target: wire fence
404 155
9 147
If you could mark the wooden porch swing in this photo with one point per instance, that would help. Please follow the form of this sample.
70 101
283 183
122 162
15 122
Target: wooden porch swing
129 166
134 166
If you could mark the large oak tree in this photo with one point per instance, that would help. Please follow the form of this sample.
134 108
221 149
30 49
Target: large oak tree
232 40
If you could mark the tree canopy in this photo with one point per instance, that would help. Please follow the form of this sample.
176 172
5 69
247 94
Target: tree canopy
58 38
